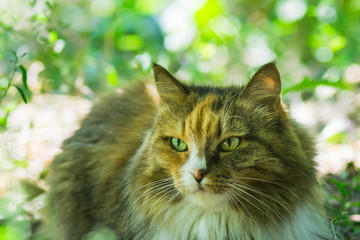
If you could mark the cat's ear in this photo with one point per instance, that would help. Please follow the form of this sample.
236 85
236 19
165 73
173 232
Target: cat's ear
265 85
170 90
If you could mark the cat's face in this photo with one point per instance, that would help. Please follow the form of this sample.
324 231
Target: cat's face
228 147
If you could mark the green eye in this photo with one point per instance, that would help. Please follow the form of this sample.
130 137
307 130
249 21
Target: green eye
178 144
230 144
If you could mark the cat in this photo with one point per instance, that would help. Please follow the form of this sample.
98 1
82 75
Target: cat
177 161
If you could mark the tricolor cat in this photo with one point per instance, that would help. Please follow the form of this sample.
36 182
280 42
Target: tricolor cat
177 161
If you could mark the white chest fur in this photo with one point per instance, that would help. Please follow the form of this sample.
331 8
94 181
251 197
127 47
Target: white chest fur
187 221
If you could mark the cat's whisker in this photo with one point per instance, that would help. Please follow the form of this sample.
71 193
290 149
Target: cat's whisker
230 199
152 190
231 193
153 182
268 181
149 191
163 193
241 187
232 102
257 207
134 212
244 198
160 198
251 188
171 197
226 120
226 109
159 185
164 207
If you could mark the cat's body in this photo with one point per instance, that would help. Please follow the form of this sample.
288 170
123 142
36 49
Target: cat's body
188 162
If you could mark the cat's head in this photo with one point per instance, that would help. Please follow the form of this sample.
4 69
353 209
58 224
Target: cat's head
231 146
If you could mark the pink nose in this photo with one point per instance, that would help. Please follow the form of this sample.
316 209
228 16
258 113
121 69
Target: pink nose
199 174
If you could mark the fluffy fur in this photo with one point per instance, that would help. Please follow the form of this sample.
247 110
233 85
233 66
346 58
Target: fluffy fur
119 172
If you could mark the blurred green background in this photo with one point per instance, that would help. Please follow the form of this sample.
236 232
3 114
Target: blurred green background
102 44
86 47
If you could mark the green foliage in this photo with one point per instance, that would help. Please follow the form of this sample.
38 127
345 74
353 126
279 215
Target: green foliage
344 193
337 138
22 88
22 70
14 224
81 42
311 84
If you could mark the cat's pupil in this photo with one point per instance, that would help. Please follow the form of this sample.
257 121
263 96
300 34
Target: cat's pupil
229 142
178 142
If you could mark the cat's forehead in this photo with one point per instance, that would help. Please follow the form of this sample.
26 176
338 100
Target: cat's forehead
204 120
210 115
206 113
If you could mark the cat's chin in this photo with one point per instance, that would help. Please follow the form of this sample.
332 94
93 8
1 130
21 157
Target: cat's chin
209 200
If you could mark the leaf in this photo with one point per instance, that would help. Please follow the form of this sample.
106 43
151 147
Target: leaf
340 186
21 93
52 37
49 5
24 54
4 115
308 83
14 53
337 138
24 76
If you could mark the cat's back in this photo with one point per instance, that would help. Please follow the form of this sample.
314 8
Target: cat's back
82 176
117 121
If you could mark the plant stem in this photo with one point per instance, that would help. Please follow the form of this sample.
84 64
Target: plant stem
11 78
333 230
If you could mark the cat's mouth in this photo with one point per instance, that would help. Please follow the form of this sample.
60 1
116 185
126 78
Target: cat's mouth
199 191
207 199
201 188
198 188
201 195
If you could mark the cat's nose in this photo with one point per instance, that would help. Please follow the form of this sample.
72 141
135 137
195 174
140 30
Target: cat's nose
198 174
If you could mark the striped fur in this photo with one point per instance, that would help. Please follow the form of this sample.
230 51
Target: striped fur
120 173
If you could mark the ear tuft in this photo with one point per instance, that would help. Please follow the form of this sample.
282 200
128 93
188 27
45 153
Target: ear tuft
170 90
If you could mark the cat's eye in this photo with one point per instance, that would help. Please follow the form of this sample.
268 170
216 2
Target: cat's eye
178 144
230 144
